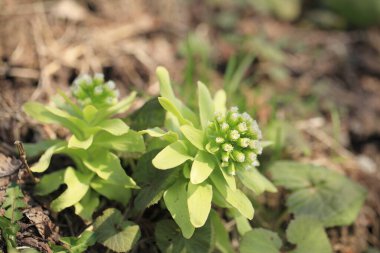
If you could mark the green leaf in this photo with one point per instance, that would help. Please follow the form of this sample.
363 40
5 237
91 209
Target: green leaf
159 133
202 167
242 223
170 107
175 200
255 181
114 232
222 240
131 142
44 161
48 114
235 198
114 126
173 155
261 240
35 149
206 104
199 198
309 236
87 205
195 136
325 194
167 92
49 183
74 142
220 101
150 115
169 240
112 191
77 186
79 244
230 179
107 166
153 182
120 107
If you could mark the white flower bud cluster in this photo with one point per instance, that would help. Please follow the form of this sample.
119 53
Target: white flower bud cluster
236 137
94 90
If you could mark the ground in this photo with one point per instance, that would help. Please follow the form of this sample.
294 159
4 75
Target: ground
324 83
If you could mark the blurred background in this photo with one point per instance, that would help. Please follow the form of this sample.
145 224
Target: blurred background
309 70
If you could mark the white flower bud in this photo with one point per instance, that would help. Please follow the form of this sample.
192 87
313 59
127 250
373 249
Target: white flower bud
219 140
227 147
244 142
111 85
234 135
98 90
242 127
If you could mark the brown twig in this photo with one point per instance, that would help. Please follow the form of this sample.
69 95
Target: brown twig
22 155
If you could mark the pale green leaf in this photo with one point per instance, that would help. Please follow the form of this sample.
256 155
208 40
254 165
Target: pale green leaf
220 100
114 126
87 205
117 234
235 198
167 92
44 161
255 181
157 132
119 107
170 107
206 104
175 199
173 155
112 191
107 166
260 241
242 224
202 167
317 191
230 179
131 142
49 183
77 186
309 236
74 142
193 135
199 198
222 240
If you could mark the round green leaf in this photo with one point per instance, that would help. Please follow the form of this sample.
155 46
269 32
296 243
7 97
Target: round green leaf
260 241
317 191
114 232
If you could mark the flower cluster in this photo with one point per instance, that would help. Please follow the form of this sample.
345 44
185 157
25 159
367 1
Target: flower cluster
235 138
95 91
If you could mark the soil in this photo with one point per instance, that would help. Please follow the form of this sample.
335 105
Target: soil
44 45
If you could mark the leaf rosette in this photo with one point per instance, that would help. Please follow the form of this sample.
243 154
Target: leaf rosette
210 148
95 136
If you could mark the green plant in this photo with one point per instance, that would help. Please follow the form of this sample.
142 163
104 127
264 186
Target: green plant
75 244
12 214
95 137
210 149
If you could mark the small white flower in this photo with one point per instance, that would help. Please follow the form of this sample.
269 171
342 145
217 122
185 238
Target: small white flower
227 147
234 135
111 85
99 76
219 140
98 90
244 142
242 127
234 109
224 126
